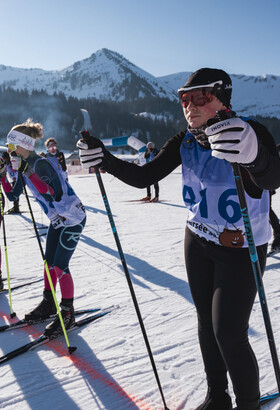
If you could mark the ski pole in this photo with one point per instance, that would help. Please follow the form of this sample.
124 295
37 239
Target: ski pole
117 240
12 314
256 268
71 349
222 115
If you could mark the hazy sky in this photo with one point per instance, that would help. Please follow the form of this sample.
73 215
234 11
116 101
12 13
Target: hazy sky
160 36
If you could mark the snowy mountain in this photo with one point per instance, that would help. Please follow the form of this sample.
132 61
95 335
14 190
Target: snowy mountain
104 75
107 75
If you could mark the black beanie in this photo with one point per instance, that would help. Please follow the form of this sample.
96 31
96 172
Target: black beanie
205 77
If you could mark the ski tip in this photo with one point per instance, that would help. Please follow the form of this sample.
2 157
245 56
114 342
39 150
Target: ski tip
72 349
13 314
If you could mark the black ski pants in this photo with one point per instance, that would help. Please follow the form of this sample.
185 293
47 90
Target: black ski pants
223 288
156 186
273 218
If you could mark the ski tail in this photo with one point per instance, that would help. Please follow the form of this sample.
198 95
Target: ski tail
23 349
89 319
21 285
266 398
44 339
271 253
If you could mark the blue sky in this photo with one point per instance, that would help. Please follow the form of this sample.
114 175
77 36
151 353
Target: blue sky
160 36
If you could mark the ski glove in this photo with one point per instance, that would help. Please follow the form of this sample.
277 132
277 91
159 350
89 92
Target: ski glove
233 140
61 159
19 164
2 169
92 152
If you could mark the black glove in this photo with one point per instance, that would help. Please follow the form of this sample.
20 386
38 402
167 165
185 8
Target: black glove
6 157
61 159
92 152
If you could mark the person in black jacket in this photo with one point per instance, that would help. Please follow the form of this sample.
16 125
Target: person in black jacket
13 175
150 153
55 156
274 221
217 260
2 172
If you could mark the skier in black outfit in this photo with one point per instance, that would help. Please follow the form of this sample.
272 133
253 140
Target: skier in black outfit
216 250
55 156
150 153
2 172
14 176
274 221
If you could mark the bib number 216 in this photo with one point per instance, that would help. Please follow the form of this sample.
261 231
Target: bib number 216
228 208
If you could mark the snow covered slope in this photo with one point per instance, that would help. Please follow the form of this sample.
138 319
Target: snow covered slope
110 369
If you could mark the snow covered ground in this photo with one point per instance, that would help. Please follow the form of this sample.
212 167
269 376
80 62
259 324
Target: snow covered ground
111 369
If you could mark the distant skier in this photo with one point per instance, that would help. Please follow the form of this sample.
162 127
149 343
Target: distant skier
2 173
64 210
55 156
150 153
274 221
13 175
217 260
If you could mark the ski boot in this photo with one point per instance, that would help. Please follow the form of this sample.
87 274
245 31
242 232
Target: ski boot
155 199
275 246
54 329
146 198
13 210
44 310
219 400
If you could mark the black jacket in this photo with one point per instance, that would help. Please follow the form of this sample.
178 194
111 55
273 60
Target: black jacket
263 173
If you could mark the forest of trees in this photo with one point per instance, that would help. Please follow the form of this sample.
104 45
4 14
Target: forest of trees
62 118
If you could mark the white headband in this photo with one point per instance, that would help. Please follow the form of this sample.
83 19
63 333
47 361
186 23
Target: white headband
23 140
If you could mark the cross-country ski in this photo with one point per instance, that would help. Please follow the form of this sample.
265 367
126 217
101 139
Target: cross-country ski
146 201
23 323
272 253
44 339
266 399
21 285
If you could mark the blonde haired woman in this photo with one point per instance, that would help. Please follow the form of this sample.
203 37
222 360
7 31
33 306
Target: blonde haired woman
64 210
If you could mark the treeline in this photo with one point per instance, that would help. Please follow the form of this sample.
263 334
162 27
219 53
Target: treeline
62 118
272 124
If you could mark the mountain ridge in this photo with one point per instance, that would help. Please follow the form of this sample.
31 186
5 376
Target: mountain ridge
107 75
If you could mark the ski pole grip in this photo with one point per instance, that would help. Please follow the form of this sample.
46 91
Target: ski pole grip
92 142
85 135
88 139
